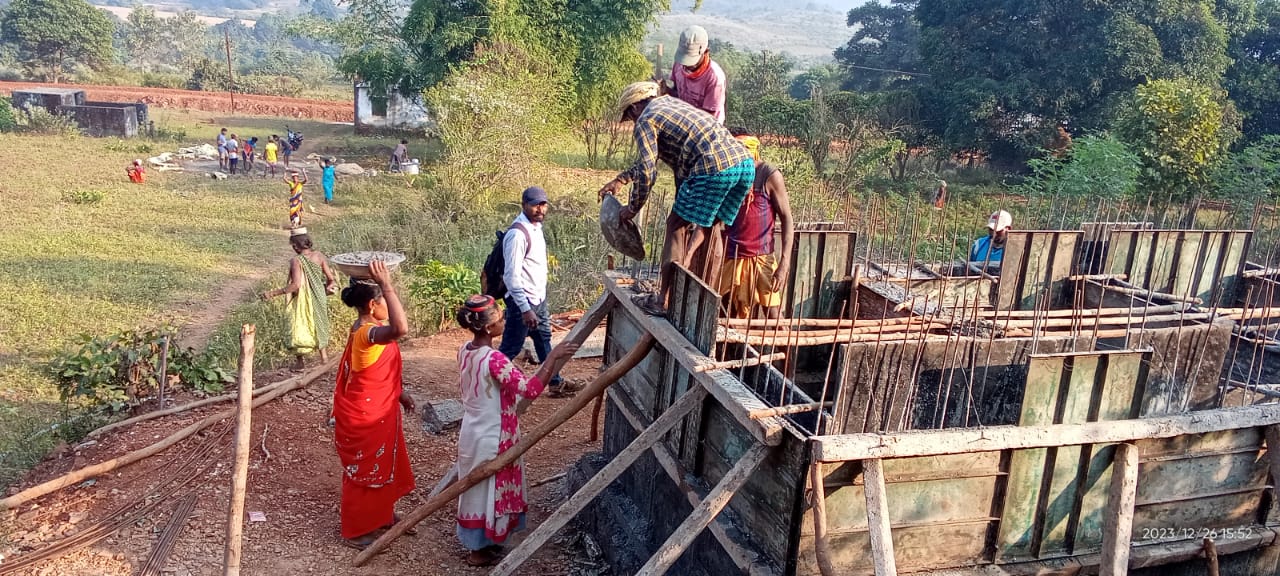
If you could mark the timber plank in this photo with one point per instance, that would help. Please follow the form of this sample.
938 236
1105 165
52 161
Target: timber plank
1017 534
917 548
1208 474
960 441
1118 528
1186 518
933 502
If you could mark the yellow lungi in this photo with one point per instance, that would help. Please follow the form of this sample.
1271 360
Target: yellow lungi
749 282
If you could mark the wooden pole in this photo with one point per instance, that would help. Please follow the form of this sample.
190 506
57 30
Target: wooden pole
704 513
164 369
789 409
213 400
743 363
1117 526
1211 555
619 464
595 419
87 472
491 467
231 81
821 548
240 474
878 518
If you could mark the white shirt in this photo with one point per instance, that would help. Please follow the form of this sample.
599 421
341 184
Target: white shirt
526 273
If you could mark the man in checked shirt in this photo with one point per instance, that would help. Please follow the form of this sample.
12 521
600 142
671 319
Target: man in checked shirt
713 173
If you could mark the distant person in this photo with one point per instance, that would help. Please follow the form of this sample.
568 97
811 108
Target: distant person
754 273
524 251
990 248
491 387
286 150
698 79
400 155
233 154
311 281
713 174
367 401
295 197
248 150
137 173
940 196
222 149
270 153
328 176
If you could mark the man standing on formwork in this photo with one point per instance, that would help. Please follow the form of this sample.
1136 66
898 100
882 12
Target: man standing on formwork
752 275
713 173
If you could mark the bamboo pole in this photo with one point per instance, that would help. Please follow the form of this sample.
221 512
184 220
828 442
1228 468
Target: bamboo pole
1108 320
205 402
815 322
1075 313
789 409
164 369
602 479
87 472
490 467
821 337
1151 294
821 548
240 474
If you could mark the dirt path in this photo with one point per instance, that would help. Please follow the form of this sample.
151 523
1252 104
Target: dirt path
209 314
296 486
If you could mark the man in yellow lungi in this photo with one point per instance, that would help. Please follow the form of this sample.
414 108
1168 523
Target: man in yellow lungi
753 277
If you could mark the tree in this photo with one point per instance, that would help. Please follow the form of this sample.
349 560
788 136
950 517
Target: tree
50 34
1180 130
1255 73
885 47
1249 177
828 77
1006 74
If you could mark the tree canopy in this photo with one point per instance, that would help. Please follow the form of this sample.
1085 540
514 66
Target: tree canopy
51 34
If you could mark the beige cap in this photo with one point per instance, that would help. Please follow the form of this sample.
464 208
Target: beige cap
693 44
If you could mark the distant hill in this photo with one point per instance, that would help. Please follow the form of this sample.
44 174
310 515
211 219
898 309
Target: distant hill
810 31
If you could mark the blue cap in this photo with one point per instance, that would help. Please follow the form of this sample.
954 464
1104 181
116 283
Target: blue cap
534 195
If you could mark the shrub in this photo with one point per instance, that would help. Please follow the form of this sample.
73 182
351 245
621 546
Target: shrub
7 120
36 120
162 80
83 196
437 288
269 85
118 371
119 145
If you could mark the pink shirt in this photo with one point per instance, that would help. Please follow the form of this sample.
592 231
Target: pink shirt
705 93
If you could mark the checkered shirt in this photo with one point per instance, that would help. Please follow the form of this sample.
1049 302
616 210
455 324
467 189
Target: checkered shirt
687 139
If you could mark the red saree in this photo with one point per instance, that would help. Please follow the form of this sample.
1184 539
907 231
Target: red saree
370 440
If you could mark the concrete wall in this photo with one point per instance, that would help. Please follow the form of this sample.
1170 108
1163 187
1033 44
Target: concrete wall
402 113
105 119
51 99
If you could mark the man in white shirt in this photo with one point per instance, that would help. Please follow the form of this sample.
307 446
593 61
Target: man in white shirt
524 252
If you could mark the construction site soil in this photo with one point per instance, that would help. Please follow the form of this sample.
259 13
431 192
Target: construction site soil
294 480
252 104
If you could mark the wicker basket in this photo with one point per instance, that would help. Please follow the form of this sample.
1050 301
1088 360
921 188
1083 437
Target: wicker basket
356 264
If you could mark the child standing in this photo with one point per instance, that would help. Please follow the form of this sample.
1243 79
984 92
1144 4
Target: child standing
271 155
327 178
295 198
491 386
246 153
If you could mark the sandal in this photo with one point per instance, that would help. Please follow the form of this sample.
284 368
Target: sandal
482 557
359 543
413 531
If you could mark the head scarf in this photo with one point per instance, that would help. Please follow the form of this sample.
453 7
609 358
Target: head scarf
753 146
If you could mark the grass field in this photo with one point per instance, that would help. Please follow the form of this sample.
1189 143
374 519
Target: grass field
140 256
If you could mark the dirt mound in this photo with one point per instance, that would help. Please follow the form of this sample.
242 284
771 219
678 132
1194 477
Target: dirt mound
335 111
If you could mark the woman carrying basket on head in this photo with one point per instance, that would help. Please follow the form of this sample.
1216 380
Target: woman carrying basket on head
367 400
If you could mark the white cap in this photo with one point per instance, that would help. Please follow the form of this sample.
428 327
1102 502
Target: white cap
1000 220
693 44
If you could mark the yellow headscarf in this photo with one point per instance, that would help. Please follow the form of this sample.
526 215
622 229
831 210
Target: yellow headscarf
753 146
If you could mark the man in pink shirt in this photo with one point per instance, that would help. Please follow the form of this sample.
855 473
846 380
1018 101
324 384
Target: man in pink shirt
698 80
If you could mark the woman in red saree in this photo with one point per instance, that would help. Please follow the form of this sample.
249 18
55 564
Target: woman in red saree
366 409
